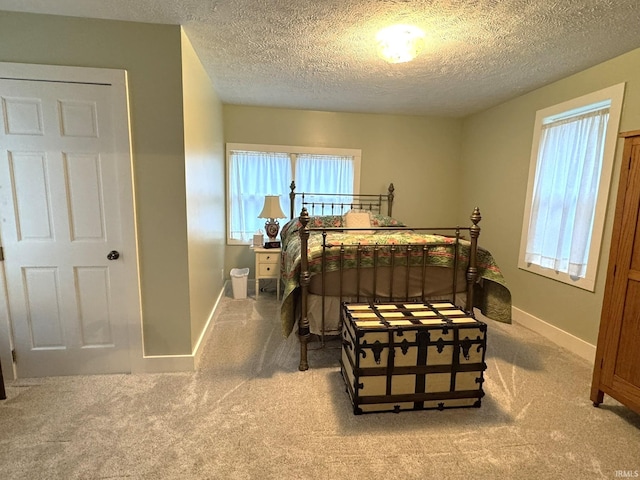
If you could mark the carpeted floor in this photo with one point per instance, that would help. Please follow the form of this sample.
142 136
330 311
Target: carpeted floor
248 413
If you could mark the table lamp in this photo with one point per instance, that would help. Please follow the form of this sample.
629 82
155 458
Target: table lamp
272 211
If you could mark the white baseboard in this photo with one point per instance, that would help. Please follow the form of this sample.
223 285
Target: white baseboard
197 350
164 364
555 334
178 363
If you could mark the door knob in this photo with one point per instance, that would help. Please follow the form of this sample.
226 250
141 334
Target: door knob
113 255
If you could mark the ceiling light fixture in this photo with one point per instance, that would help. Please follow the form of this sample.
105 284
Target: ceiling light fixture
400 43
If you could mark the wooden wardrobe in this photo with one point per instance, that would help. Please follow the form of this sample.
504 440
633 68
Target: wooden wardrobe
617 366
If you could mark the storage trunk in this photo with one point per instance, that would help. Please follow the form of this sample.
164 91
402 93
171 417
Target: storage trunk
412 356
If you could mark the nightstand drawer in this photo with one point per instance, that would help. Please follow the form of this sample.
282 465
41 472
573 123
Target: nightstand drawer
270 258
267 266
268 270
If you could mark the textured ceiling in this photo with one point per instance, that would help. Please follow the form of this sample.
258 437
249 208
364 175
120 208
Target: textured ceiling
320 54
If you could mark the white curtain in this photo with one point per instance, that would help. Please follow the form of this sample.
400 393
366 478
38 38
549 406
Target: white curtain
565 192
328 174
252 175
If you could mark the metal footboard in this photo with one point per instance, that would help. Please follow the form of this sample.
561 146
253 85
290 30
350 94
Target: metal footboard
398 259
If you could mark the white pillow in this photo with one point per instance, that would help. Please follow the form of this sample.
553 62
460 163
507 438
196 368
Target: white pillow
358 219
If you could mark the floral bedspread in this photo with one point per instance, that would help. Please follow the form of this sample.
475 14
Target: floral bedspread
491 295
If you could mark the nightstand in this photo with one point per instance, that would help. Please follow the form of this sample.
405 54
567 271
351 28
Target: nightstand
267 266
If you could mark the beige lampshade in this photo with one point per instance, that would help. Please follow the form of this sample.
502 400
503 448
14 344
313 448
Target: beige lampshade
271 207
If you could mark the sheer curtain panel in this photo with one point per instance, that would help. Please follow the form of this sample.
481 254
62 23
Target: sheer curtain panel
252 175
565 192
330 174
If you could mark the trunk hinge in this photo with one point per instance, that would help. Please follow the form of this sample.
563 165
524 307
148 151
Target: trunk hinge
13 356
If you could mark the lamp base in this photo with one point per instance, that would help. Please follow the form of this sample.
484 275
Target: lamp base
272 227
272 244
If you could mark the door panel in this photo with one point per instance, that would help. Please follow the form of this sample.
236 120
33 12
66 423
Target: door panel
93 292
617 371
29 178
60 174
86 206
626 367
42 313
627 280
78 119
23 116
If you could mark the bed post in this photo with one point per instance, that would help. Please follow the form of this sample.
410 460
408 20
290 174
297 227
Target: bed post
303 325
292 198
390 197
472 270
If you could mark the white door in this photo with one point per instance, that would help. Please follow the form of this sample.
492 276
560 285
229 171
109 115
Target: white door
66 229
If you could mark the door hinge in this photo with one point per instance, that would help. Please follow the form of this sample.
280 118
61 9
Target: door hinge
13 356
1 254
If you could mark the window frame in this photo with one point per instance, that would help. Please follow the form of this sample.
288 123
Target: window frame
615 94
291 151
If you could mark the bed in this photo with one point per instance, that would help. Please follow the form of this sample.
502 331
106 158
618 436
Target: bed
381 260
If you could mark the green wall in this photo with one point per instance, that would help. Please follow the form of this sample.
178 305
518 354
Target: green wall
204 160
151 54
420 155
495 160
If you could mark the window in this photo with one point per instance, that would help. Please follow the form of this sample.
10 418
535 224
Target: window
254 171
569 176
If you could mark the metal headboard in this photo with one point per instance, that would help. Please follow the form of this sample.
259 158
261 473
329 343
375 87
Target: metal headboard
321 203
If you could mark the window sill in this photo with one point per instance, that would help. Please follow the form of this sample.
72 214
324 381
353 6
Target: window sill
587 283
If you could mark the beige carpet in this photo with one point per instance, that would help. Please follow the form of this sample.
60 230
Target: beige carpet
249 414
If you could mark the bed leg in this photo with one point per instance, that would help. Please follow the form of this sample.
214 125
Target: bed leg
304 363
303 328
472 269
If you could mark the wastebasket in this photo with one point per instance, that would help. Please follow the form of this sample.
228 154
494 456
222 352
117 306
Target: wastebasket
239 282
